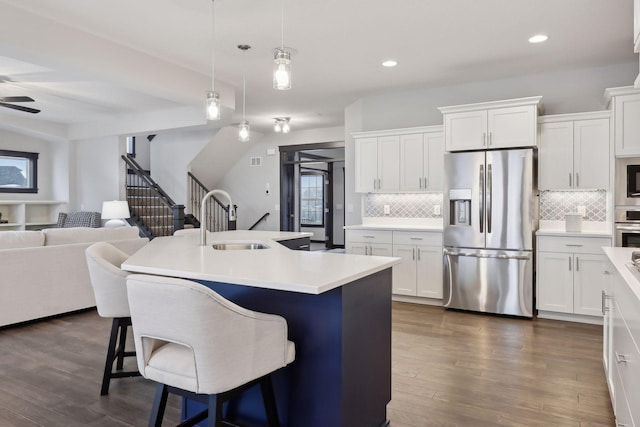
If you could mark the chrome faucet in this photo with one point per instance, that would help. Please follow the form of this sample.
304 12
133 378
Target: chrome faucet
203 213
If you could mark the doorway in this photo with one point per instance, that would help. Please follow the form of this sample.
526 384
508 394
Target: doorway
312 192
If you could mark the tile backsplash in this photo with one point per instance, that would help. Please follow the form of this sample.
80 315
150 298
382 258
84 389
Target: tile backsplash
419 205
555 204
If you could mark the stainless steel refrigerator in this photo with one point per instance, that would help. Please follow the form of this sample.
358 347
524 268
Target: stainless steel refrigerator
490 215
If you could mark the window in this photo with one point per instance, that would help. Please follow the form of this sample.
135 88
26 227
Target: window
18 172
311 199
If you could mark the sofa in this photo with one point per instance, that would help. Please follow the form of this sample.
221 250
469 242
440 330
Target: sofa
44 273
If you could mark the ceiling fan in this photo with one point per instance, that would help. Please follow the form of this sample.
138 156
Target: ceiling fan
4 102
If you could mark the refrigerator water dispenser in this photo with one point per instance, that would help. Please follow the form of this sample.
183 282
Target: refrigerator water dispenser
460 206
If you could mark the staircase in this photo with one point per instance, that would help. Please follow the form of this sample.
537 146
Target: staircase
152 210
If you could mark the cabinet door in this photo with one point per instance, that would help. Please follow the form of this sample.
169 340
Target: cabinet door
636 24
366 164
555 282
588 284
465 131
380 249
404 274
555 156
412 165
512 127
591 154
627 125
429 271
388 164
434 161
356 248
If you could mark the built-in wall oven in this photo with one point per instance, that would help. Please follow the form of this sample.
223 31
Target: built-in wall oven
628 227
627 181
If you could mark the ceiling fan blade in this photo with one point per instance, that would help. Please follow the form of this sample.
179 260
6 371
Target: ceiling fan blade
20 108
17 99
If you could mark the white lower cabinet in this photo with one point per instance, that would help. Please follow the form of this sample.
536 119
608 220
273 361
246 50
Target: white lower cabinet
369 242
569 274
420 272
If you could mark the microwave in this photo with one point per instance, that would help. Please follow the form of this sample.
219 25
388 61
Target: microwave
627 181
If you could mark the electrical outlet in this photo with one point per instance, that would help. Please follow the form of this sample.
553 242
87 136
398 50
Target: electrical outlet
387 209
582 210
436 209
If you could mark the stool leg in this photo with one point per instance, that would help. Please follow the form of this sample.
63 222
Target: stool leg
269 399
123 326
108 366
159 405
215 411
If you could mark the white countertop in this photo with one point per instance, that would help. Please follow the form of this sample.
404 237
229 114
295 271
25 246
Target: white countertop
589 229
277 267
620 257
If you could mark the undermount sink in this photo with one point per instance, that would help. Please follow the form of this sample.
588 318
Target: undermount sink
239 246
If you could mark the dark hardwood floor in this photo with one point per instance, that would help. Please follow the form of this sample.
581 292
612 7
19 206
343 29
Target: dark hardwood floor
449 369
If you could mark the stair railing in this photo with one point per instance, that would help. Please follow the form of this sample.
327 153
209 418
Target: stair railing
218 213
262 218
152 209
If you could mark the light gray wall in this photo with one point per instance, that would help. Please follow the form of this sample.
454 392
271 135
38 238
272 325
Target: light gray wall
247 184
97 173
52 166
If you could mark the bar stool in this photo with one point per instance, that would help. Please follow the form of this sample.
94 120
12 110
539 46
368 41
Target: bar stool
109 284
201 346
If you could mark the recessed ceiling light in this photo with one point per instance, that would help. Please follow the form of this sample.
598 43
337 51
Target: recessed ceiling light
538 38
389 63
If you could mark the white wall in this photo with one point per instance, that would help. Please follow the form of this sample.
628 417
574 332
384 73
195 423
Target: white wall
97 173
52 166
247 184
562 92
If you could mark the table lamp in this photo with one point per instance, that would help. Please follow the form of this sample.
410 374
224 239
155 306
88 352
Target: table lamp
115 211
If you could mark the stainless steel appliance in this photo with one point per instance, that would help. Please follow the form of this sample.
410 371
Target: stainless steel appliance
627 181
491 213
627 227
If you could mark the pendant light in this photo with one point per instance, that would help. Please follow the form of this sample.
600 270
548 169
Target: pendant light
282 62
244 129
213 97
281 124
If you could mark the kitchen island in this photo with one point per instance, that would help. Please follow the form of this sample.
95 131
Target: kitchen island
338 311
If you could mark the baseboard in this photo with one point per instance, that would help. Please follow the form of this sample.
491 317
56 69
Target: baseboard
417 300
567 317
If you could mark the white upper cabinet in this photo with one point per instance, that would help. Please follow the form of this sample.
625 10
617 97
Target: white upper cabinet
401 160
498 124
625 103
574 151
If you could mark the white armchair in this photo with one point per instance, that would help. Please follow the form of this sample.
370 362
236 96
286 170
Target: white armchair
193 340
109 284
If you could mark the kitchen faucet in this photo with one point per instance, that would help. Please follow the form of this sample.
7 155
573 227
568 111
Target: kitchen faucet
203 213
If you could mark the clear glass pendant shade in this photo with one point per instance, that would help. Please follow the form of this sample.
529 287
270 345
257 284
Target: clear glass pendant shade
244 131
282 70
213 105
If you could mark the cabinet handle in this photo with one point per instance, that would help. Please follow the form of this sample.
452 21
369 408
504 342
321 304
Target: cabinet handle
577 264
368 237
426 183
602 297
418 254
569 263
569 180
484 139
577 180
415 238
490 138
575 246
621 358
379 184
420 183
606 273
414 254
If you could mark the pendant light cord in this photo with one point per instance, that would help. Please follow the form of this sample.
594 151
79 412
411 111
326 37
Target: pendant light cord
282 24
213 47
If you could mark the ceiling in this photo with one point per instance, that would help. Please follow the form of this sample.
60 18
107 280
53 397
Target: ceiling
88 62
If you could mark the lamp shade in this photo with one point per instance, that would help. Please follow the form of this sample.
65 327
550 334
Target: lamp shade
115 209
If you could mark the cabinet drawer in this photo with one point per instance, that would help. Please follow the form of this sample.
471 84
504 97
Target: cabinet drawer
377 236
577 245
629 309
627 360
427 238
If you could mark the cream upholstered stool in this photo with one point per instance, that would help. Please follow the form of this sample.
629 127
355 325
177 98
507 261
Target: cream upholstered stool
109 284
199 345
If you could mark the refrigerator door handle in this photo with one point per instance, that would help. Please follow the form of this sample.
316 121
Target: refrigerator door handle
481 197
489 196
485 255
